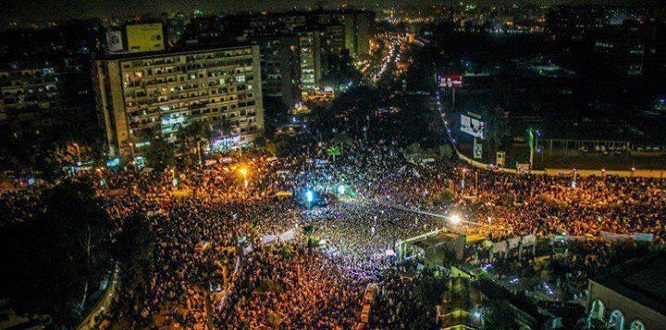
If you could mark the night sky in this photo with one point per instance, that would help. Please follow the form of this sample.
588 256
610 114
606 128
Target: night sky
58 9
42 10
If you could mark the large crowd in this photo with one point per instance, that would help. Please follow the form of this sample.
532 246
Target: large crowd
213 271
514 205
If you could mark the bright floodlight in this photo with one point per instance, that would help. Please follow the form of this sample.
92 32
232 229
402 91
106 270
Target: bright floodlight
309 196
243 171
341 189
455 219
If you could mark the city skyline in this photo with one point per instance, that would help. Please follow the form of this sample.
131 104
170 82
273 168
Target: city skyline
56 10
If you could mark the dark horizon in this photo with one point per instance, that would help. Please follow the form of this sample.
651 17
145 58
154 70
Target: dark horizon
56 10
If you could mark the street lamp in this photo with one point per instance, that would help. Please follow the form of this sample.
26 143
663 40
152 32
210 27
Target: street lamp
309 197
132 150
341 189
199 151
243 171
455 219
533 139
78 153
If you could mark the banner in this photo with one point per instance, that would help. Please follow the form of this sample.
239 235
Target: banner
566 238
514 242
247 249
643 237
529 240
287 235
114 41
269 239
499 247
614 237
450 81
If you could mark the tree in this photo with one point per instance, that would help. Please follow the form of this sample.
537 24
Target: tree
133 248
421 74
342 138
498 128
194 133
333 151
414 149
445 152
274 109
356 105
52 263
323 119
341 69
159 154
272 147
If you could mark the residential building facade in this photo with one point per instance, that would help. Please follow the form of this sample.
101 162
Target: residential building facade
142 97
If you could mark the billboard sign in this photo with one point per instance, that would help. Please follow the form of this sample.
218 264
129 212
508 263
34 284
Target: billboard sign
472 126
114 41
450 81
145 38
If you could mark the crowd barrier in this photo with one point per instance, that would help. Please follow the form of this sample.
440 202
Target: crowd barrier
504 247
90 321
232 283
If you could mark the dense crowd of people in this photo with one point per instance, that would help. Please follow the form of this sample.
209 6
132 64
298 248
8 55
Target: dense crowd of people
212 269
515 205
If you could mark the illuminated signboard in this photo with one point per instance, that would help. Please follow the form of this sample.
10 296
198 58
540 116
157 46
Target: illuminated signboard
472 126
450 81
145 38
172 123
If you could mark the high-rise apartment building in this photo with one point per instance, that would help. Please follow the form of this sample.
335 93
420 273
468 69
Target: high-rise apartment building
334 38
280 67
141 97
622 47
358 27
309 44
31 91
29 86
573 23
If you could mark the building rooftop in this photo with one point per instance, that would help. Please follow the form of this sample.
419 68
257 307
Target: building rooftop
174 51
642 280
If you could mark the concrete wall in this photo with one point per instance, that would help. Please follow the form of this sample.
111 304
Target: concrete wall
658 174
631 309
